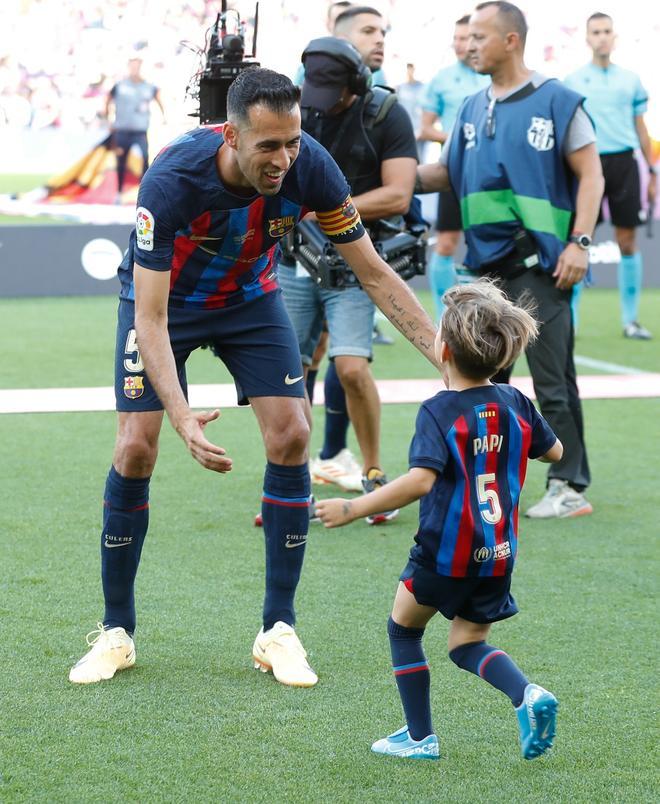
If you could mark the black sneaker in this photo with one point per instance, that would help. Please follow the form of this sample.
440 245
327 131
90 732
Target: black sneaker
373 479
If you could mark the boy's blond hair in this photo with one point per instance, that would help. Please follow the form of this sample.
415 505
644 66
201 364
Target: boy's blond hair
483 329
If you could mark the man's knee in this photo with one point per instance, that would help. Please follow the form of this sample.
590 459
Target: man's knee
354 375
287 442
136 447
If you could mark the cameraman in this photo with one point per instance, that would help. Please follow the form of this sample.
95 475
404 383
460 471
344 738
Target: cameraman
371 139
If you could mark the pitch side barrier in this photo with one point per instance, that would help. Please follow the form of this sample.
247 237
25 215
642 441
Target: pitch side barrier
82 259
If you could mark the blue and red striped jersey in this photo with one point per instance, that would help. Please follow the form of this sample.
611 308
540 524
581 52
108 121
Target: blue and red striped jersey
478 441
222 248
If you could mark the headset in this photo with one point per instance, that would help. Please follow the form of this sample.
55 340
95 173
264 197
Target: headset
359 81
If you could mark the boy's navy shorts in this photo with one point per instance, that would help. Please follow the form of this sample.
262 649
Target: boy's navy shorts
255 340
478 600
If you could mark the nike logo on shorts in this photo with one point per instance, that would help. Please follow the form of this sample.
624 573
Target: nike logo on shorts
292 380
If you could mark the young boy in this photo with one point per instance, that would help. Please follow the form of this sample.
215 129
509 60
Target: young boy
468 459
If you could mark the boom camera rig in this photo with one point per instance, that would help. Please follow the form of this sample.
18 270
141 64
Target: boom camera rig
403 250
225 59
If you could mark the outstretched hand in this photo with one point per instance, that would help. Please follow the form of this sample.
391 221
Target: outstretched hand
334 512
203 451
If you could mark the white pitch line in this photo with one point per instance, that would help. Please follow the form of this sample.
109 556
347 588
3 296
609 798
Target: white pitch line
601 365
74 400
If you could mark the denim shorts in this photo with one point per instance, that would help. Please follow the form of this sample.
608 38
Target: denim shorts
349 314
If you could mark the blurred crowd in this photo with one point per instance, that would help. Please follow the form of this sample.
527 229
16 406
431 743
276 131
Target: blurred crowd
59 58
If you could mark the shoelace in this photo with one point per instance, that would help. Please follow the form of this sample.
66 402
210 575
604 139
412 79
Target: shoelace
97 633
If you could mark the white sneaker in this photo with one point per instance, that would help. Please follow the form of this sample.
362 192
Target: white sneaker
342 470
279 651
636 331
560 501
112 649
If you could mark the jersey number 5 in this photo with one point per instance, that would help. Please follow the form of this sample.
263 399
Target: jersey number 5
493 512
132 361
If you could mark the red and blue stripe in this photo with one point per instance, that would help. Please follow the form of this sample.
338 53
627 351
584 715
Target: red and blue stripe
416 667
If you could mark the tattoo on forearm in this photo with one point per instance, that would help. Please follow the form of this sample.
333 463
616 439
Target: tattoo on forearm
346 508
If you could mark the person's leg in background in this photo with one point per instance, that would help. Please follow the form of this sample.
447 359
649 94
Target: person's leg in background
442 272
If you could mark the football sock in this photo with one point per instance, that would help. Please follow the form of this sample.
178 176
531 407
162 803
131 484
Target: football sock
442 275
413 679
285 512
575 304
494 666
630 286
125 522
336 414
310 382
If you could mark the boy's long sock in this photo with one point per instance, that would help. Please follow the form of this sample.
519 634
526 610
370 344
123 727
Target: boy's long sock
413 679
494 666
125 522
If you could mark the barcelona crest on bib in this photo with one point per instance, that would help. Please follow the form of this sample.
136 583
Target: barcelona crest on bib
133 387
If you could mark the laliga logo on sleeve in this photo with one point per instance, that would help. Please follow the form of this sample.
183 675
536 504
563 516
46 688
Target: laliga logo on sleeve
144 229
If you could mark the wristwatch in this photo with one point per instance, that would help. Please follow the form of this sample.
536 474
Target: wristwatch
582 240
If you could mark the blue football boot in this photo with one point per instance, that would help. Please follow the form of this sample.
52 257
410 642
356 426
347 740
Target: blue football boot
401 744
537 719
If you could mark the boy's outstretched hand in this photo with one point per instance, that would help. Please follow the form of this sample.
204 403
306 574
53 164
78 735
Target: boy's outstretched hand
335 512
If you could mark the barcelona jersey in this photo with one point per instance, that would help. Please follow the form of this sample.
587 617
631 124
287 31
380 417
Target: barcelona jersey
222 248
478 441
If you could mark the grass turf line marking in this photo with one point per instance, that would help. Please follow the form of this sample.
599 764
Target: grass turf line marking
601 365
223 395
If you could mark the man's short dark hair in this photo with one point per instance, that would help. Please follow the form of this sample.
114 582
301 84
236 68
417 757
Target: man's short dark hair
354 11
464 20
341 4
257 85
512 17
599 15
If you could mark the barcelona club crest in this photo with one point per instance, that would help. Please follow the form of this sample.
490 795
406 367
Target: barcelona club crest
347 208
278 227
133 387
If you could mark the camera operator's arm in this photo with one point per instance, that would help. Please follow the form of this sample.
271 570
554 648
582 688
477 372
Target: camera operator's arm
391 294
393 196
432 178
429 131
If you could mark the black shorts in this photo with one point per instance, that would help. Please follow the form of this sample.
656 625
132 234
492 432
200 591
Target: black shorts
255 340
449 213
478 600
622 189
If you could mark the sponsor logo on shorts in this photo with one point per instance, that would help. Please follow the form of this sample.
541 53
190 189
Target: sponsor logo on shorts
144 229
134 386
288 380
278 227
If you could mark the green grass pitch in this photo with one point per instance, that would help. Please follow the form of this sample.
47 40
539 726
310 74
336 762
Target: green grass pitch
193 722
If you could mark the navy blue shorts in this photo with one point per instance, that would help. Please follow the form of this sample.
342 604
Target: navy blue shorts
478 600
255 340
